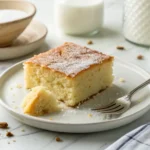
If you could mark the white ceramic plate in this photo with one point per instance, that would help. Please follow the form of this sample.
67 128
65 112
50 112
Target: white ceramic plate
78 120
27 42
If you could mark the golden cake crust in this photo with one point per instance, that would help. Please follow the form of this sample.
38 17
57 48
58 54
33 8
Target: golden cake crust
69 59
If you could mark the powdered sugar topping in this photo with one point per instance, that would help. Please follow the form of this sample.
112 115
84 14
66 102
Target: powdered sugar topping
69 59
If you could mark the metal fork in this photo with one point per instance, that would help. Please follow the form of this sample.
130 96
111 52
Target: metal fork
122 104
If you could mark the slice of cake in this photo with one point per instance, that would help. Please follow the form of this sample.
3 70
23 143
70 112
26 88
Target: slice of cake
72 72
40 101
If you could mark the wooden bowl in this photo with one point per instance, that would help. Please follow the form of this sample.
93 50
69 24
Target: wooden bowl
9 31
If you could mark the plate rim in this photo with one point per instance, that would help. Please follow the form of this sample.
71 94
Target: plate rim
12 111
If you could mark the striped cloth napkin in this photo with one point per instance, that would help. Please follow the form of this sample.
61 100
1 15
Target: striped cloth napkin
138 139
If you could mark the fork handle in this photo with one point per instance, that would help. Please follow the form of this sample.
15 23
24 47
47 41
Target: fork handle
139 87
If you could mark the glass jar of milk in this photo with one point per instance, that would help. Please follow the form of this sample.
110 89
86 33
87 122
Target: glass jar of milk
137 21
78 17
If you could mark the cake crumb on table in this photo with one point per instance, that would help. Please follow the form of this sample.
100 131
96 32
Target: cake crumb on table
121 79
120 48
90 115
9 134
140 57
58 139
90 42
14 140
50 118
3 125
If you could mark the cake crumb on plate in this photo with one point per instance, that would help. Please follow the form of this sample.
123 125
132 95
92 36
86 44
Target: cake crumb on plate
121 79
19 86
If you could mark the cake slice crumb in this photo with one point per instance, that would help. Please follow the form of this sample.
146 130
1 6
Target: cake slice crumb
90 115
46 102
121 79
120 47
58 139
3 125
140 57
9 134
19 86
90 42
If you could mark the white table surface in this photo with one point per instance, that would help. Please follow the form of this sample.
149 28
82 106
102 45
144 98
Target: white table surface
106 41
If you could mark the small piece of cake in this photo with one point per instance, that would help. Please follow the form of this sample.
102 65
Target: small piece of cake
72 72
39 101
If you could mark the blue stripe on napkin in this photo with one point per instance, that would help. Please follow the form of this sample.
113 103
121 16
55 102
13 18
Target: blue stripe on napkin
138 139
